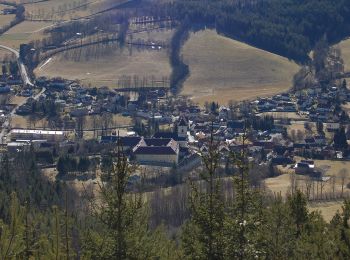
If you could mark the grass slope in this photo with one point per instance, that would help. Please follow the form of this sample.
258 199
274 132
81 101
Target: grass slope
345 49
106 69
24 33
223 69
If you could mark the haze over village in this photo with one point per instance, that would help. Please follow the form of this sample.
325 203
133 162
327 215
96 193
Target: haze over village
174 129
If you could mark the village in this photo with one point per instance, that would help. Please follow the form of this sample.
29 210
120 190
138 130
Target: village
288 130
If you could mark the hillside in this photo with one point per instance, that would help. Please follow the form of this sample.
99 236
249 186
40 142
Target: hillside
107 67
345 49
287 27
222 69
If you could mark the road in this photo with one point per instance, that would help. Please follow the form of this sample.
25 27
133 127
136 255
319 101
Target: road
22 67
6 124
26 80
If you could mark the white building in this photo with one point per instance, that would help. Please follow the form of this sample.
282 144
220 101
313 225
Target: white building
27 134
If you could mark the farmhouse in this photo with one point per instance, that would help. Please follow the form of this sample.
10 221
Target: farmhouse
305 167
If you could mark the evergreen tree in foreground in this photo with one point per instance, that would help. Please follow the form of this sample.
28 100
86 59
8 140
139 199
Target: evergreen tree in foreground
121 229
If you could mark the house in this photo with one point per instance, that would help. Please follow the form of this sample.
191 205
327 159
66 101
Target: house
16 147
305 167
224 112
331 127
281 160
126 143
157 151
5 90
237 126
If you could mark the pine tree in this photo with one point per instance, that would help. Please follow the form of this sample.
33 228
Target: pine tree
202 236
120 220
279 244
12 245
245 218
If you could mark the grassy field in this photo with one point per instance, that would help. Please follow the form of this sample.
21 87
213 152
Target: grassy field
223 69
5 19
106 69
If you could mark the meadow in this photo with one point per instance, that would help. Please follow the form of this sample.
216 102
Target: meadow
222 69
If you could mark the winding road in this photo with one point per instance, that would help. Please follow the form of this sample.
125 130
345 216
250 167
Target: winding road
26 81
22 67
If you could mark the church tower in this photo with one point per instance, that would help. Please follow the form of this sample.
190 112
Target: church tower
182 127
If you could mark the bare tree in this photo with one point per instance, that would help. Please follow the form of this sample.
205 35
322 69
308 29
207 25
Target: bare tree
308 185
80 125
343 175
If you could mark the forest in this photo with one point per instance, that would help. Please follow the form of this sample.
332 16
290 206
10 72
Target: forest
290 28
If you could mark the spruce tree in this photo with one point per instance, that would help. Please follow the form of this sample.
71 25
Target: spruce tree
120 221
202 235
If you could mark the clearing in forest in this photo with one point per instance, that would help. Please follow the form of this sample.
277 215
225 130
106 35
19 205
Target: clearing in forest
222 69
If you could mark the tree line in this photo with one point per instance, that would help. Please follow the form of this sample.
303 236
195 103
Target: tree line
288 28
245 223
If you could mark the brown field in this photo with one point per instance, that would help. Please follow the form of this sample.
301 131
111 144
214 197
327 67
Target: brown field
65 9
106 69
29 27
57 9
281 184
23 33
6 19
345 49
155 35
223 69
327 209
4 54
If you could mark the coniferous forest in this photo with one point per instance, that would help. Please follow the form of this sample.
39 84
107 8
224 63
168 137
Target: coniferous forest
290 28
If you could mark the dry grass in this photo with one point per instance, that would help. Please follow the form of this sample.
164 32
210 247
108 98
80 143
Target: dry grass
17 100
281 184
6 19
55 9
24 122
29 27
23 33
327 209
223 69
163 35
65 9
106 69
6 55
345 49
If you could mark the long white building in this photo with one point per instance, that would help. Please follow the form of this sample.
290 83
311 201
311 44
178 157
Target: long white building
28 134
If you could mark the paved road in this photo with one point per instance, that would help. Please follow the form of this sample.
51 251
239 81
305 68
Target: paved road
22 67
